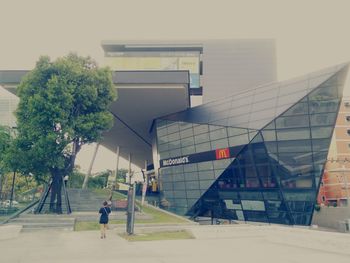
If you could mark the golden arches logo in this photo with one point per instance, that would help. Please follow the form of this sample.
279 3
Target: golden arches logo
222 153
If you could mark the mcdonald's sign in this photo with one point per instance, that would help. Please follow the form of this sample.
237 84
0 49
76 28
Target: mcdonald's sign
222 153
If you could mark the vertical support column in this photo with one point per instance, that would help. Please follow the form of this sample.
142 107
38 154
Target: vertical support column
117 168
130 217
86 179
144 185
129 169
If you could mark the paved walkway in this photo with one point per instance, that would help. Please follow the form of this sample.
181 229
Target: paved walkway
231 243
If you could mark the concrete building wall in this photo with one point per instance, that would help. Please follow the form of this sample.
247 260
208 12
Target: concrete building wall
332 217
231 66
8 104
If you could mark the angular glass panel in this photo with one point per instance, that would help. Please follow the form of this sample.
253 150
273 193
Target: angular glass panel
235 131
323 119
188 150
192 184
204 137
219 144
300 108
218 134
180 194
185 125
190 167
162 132
301 218
175 153
271 195
178 177
324 93
275 206
204 166
295 159
228 195
253 205
269 135
324 106
189 141
174 127
294 146
204 185
193 194
298 195
292 121
320 144
191 176
174 145
203 147
297 183
174 136
279 218
321 132
255 216
250 195
206 175
179 186
198 129
186 133
293 134
301 206
239 140
291 98
271 147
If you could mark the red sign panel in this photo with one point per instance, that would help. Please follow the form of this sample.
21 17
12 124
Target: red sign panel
222 153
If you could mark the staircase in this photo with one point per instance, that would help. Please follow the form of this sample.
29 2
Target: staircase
31 222
85 200
81 200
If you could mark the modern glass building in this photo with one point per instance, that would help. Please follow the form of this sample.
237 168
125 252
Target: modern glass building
257 155
216 67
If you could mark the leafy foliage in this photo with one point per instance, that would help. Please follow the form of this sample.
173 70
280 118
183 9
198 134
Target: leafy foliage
63 105
5 143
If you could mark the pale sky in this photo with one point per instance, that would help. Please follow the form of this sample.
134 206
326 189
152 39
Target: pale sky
309 34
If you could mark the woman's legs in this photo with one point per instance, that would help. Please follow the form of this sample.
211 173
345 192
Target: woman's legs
103 230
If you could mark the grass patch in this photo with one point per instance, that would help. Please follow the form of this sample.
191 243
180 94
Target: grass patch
159 217
86 226
153 236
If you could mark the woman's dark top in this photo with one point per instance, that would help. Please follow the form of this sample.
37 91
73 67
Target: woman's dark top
104 211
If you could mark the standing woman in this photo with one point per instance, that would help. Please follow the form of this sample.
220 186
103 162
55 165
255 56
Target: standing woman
104 211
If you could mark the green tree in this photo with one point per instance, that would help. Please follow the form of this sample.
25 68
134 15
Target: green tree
63 105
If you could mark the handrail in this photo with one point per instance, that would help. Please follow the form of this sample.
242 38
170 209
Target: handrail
16 214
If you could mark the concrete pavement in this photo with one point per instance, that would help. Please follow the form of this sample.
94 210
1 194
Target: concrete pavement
245 243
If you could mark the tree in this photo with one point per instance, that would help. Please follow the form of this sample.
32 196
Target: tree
63 105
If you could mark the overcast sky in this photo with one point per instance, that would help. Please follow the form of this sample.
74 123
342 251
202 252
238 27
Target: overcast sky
310 34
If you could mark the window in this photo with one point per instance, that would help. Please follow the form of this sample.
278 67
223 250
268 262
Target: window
347 104
348 131
347 118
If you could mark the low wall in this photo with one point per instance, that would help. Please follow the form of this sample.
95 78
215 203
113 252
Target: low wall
332 217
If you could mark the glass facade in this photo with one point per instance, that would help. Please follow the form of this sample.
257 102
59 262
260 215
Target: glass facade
256 156
153 60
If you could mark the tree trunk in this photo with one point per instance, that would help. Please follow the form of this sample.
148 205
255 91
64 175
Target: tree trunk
56 192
